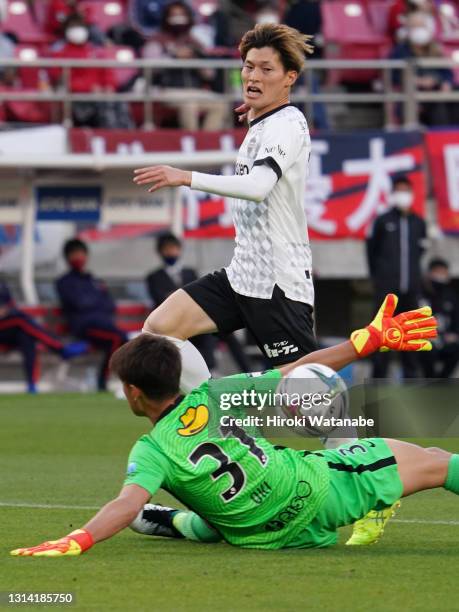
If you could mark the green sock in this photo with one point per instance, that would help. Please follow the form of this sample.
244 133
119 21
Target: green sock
193 527
452 480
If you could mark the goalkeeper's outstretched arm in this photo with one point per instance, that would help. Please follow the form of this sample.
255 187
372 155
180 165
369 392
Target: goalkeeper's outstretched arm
407 331
112 518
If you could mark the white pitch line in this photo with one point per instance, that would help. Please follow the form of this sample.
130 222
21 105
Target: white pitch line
424 522
47 506
69 507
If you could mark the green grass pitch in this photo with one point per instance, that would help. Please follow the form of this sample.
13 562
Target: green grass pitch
69 452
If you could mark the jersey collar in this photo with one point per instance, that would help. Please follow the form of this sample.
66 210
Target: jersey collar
170 408
268 114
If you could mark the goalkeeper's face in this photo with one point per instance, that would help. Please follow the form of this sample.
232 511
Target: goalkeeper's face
266 83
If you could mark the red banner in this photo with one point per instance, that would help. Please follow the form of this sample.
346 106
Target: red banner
443 151
350 175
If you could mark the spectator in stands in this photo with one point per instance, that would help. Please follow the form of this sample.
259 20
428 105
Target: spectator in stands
394 249
399 10
232 19
191 88
89 80
59 12
173 275
441 296
421 44
22 333
88 306
306 16
146 15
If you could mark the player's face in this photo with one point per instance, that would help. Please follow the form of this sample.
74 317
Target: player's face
266 83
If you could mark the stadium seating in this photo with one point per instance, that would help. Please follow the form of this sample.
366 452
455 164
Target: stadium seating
105 13
451 49
26 26
120 54
349 34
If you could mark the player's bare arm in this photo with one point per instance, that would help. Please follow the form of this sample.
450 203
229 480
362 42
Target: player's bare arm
111 518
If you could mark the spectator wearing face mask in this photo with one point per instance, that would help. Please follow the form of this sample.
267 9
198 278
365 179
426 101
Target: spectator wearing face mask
399 10
394 248
420 43
173 275
192 89
88 307
441 296
58 13
76 45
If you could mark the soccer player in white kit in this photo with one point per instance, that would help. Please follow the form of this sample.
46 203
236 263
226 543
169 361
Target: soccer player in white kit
267 288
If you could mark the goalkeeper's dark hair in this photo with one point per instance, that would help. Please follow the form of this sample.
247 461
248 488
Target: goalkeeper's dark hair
291 45
151 363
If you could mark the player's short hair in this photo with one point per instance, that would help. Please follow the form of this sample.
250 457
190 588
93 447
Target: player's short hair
151 363
72 245
166 238
291 45
438 262
401 179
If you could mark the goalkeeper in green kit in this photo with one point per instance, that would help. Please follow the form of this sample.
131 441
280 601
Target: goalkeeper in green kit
240 488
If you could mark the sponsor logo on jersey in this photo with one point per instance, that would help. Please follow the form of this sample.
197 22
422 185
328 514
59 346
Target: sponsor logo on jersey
132 468
241 169
288 514
194 420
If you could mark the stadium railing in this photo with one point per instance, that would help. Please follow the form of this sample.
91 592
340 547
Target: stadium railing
408 96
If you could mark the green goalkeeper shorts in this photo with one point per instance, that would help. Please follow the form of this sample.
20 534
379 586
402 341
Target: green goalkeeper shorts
363 477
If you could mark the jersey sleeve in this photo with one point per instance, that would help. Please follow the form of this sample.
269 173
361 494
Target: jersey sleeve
146 466
280 145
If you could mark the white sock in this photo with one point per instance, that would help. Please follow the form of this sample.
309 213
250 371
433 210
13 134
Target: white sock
194 368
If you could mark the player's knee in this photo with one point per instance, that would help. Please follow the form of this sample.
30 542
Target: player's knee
440 452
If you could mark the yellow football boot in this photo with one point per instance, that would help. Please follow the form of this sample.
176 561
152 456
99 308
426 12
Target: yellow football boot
371 528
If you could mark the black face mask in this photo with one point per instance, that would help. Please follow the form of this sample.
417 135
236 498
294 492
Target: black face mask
170 261
439 285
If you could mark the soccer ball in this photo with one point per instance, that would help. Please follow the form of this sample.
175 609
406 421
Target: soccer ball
312 391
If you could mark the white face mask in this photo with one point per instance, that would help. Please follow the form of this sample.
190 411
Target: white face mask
420 36
78 35
402 199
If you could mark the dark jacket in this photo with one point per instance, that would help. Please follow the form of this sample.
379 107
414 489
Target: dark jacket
445 306
85 300
394 250
160 285
5 294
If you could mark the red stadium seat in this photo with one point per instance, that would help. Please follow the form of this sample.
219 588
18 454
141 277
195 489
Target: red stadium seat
448 22
22 22
378 12
347 22
105 13
348 28
120 54
29 76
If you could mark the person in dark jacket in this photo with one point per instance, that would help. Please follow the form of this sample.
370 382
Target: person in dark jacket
88 306
394 249
173 275
20 332
442 360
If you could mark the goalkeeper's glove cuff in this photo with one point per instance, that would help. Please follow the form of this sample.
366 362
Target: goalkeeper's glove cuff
83 538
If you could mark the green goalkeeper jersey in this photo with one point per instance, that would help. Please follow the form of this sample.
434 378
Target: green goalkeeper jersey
255 494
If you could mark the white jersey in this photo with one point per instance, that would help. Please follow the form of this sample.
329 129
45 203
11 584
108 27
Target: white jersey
272 244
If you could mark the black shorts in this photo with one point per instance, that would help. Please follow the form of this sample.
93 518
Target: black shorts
282 328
